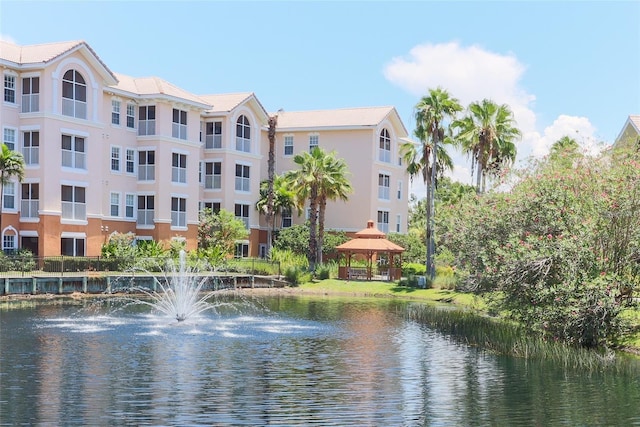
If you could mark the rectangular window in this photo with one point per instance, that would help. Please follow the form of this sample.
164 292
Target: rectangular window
213 175
9 138
383 186
287 219
242 250
398 222
242 178
179 128
384 151
130 160
129 205
30 94
214 206
179 167
313 142
9 195
31 147
178 212
131 116
73 152
115 159
146 208
30 200
9 89
288 145
383 221
115 112
146 165
242 213
9 243
73 202
70 246
147 120
213 135
114 209
399 190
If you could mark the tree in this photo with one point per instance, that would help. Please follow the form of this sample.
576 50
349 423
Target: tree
271 165
282 199
430 113
487 133
320 177
11 166
220 231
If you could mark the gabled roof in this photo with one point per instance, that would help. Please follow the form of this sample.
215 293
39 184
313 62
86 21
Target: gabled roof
155 86
39 55
369 239
340 118
226 102
632 125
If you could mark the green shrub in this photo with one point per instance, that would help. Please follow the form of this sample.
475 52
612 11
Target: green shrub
296 276
413 268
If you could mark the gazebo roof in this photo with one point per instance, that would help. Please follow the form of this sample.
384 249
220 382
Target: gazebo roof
369 239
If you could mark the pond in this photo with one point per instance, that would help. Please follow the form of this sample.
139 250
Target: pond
279 361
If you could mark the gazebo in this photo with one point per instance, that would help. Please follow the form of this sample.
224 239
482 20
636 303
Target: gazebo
369 242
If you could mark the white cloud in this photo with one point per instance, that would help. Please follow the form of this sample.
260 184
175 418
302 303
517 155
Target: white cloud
472 73
7 38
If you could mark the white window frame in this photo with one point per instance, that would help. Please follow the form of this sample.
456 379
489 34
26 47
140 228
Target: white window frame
9 86
314 141
398 223
146 170
287 218
74 106
129 205
76 238
179 167
288 145
213 140
144 213
31 147
115 111
384 185
130 161
30 96
178 212
213 180
116 158
72 157
9 194
147 124
9 135
243 134
74 209
131 115
384 146
179 124
243 181
114 204
383 220
243 208
29 206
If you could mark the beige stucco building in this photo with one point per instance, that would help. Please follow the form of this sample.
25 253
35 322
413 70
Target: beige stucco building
106 153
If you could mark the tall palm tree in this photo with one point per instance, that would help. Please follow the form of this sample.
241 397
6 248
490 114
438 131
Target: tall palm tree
487 133
431 113
320 177
271 166
334 185
282 198
11 166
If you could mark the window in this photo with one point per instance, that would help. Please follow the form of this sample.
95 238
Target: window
287 219
30 94
30 200
213 135
147 120
179 168
9 89
384 152
178 212
399 190
31 147
74 95
73 203
243 135
73 153
72 246
146 165
9 138
131 116
313 142
146 206
115 159
398 221
9 241
115 112
242 178
242 250
383 186
214 206
9 195
288 145
130 160
213 175
114 209
129 205
383 221
242 213
179 128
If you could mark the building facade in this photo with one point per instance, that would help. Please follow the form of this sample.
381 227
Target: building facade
107 153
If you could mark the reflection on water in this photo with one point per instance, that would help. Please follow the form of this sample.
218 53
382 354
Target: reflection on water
287 361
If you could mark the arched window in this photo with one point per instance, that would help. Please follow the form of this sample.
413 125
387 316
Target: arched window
243 135
9 240
384 151
74 95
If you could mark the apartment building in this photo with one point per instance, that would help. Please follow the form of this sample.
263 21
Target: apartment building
106 153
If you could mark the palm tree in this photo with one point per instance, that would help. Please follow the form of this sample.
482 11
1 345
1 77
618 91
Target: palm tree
319 177
282 198
271 165
487 134
431 112
11 166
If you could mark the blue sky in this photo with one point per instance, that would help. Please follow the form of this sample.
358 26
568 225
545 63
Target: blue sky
564 67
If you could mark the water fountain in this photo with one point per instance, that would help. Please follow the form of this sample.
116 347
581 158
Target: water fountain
180 293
